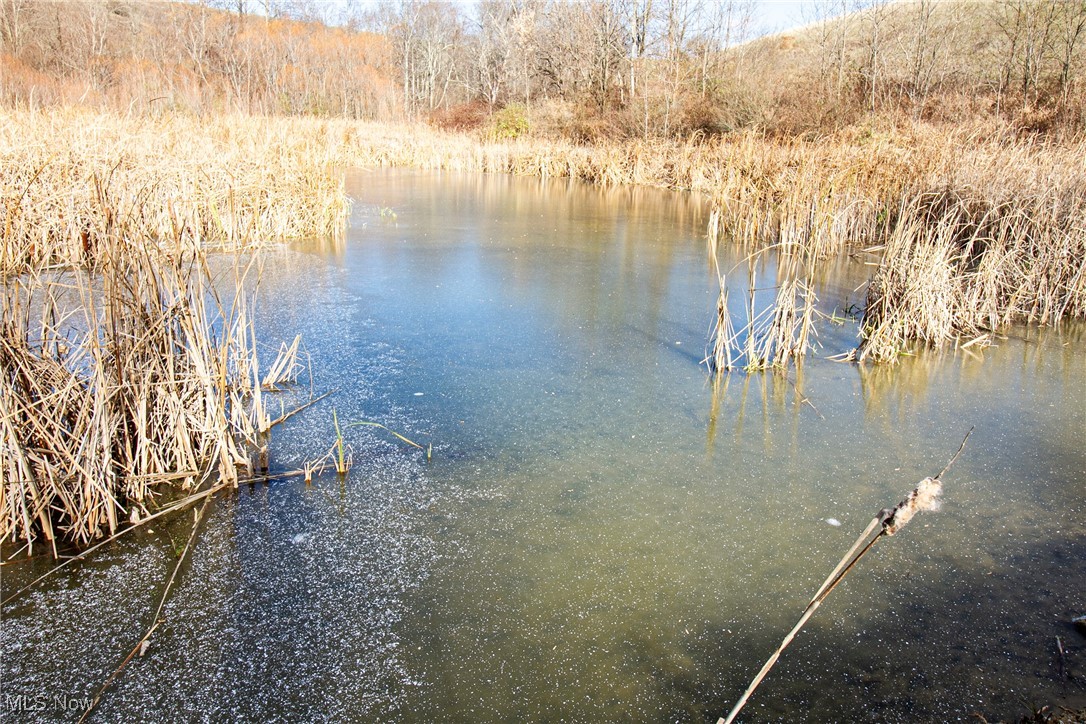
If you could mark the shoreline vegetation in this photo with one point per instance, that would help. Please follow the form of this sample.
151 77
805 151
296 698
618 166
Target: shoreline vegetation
973 229
987 223
942 143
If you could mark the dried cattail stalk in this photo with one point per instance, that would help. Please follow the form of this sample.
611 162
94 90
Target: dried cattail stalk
924 497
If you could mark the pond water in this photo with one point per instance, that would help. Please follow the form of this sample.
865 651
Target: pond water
602 533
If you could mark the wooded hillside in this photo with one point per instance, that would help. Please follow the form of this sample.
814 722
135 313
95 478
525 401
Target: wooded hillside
586 69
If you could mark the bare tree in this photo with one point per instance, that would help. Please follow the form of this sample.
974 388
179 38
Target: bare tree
875 20
426 36
1029 29
1072 30
16 24
833 22
637 15
724 24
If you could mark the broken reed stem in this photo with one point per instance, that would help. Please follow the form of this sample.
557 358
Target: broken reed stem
156 621
924 497
173 507
366 423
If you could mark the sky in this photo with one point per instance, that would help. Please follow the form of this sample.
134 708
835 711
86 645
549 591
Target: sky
774 16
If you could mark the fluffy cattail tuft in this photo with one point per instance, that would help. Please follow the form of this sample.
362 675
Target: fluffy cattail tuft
925 497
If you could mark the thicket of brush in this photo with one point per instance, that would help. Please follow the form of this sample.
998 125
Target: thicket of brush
588 70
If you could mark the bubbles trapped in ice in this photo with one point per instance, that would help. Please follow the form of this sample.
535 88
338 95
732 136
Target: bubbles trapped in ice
834 522
74 619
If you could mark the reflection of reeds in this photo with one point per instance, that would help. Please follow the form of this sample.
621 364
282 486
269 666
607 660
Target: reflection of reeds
148 379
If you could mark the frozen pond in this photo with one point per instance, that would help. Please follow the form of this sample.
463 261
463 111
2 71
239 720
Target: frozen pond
602 533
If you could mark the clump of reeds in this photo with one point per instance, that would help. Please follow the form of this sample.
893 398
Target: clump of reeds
71 180
782 331
724 353
116 382
958 266
772 337
913 293
889 521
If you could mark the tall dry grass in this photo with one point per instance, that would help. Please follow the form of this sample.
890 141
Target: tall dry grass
116 382
999 240
70 180
122 367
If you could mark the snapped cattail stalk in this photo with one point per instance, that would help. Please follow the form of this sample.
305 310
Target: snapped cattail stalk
887 522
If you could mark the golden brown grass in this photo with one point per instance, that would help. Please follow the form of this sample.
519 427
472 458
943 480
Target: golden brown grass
960 263
116 382
72 179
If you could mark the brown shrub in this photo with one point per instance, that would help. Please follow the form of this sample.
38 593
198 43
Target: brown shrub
462 117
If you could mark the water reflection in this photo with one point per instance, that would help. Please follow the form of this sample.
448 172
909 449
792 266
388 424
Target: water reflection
768 397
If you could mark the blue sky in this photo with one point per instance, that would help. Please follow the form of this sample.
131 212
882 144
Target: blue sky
776 15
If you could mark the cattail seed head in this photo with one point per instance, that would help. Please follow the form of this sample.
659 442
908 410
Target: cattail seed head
924 497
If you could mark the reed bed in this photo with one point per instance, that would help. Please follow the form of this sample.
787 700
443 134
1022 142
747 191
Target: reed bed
70 180
1010 248
122 369
117 382
958 266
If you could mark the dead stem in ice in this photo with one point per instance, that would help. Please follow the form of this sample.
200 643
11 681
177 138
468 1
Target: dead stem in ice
886 523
